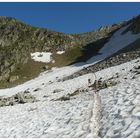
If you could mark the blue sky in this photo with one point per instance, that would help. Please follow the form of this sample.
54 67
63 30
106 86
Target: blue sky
70 17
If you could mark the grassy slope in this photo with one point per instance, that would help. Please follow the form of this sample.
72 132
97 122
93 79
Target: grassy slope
25 72
32 69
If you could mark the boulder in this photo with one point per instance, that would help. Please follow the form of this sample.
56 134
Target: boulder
13 78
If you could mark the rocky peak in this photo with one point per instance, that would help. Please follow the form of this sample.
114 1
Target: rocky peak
134 25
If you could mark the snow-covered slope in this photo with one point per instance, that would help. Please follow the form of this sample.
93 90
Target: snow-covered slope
77 116
121 103
117 42
70 108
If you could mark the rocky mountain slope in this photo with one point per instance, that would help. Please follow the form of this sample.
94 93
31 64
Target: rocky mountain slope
129 52
97 96
18 40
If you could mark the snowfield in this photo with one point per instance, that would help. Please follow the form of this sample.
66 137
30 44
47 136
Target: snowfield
117 42
121 110
71 108
48 119
79 116
42 56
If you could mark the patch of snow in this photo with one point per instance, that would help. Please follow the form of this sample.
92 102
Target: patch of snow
53 61
117 42
42 56
60 52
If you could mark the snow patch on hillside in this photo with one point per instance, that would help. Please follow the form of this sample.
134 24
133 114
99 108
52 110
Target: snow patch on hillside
42 56
60 52
117 42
